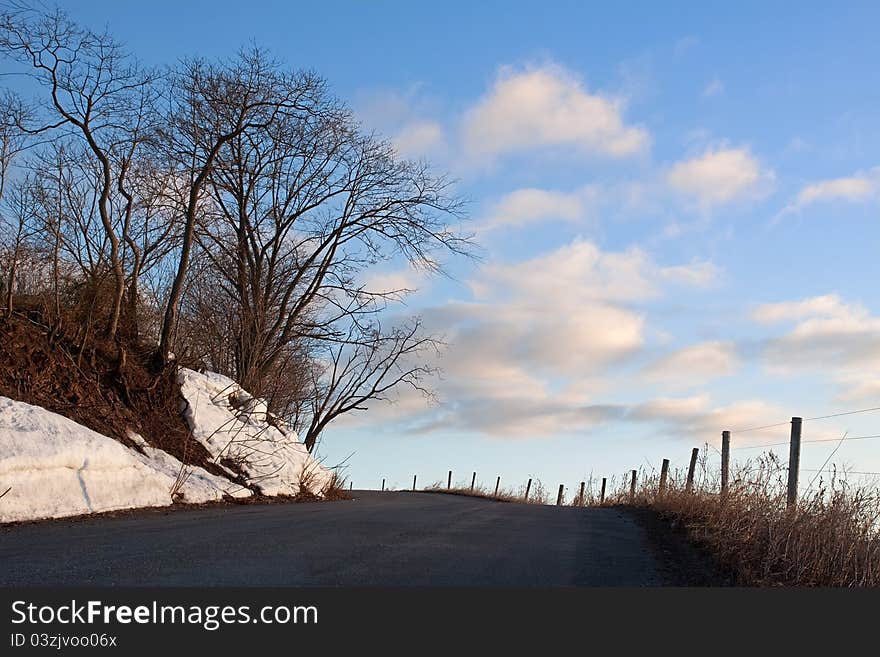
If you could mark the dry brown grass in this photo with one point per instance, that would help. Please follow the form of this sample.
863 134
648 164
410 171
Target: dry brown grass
336 488
504 494
830 538
107 386
538 493
592 493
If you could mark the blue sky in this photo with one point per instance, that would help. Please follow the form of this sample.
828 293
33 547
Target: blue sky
677 205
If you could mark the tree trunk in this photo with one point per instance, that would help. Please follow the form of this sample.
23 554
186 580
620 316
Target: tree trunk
119 292
104 212
132 309
11 283
186 248
177 286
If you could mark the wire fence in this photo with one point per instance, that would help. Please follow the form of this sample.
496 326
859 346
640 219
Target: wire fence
794 443
840 440
816 440
807 419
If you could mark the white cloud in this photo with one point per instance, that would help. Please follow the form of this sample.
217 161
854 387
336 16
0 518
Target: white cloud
418 139
697 274
862 186
398 282
862 387
560 314
696 363
538 343
720 175
582 273
574 274
714 88
828 305
583 207
568 312
672 409
545 107
855 188
528 206
519 417
841 340
695 417
404 117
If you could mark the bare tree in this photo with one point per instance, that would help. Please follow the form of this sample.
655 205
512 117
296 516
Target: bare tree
300 208
368 365
68 189
52 179
19 227
212 105
12 137
96 91
296 208
248 201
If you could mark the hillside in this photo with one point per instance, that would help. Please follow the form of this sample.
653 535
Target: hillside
81 434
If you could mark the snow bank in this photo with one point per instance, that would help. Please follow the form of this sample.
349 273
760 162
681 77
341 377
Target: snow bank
54 467
234 425
194 484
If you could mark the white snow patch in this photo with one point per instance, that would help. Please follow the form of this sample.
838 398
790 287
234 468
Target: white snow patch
233 424
193 483
54 467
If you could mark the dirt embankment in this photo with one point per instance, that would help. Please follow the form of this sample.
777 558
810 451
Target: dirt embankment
107 386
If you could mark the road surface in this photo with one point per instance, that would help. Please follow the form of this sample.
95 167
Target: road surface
377 539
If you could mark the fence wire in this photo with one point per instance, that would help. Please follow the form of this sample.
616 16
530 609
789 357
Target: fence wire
807 419
816 440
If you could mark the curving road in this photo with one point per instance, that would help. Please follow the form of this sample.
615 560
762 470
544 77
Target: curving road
377 539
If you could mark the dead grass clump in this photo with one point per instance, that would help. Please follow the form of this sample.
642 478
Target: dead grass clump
537 494
467 491
592 495
830 538
336 489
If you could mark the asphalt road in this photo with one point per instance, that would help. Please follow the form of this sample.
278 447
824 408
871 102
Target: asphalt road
378 539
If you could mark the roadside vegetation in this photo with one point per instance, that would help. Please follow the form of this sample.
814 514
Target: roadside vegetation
536 493
831 537
225 215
